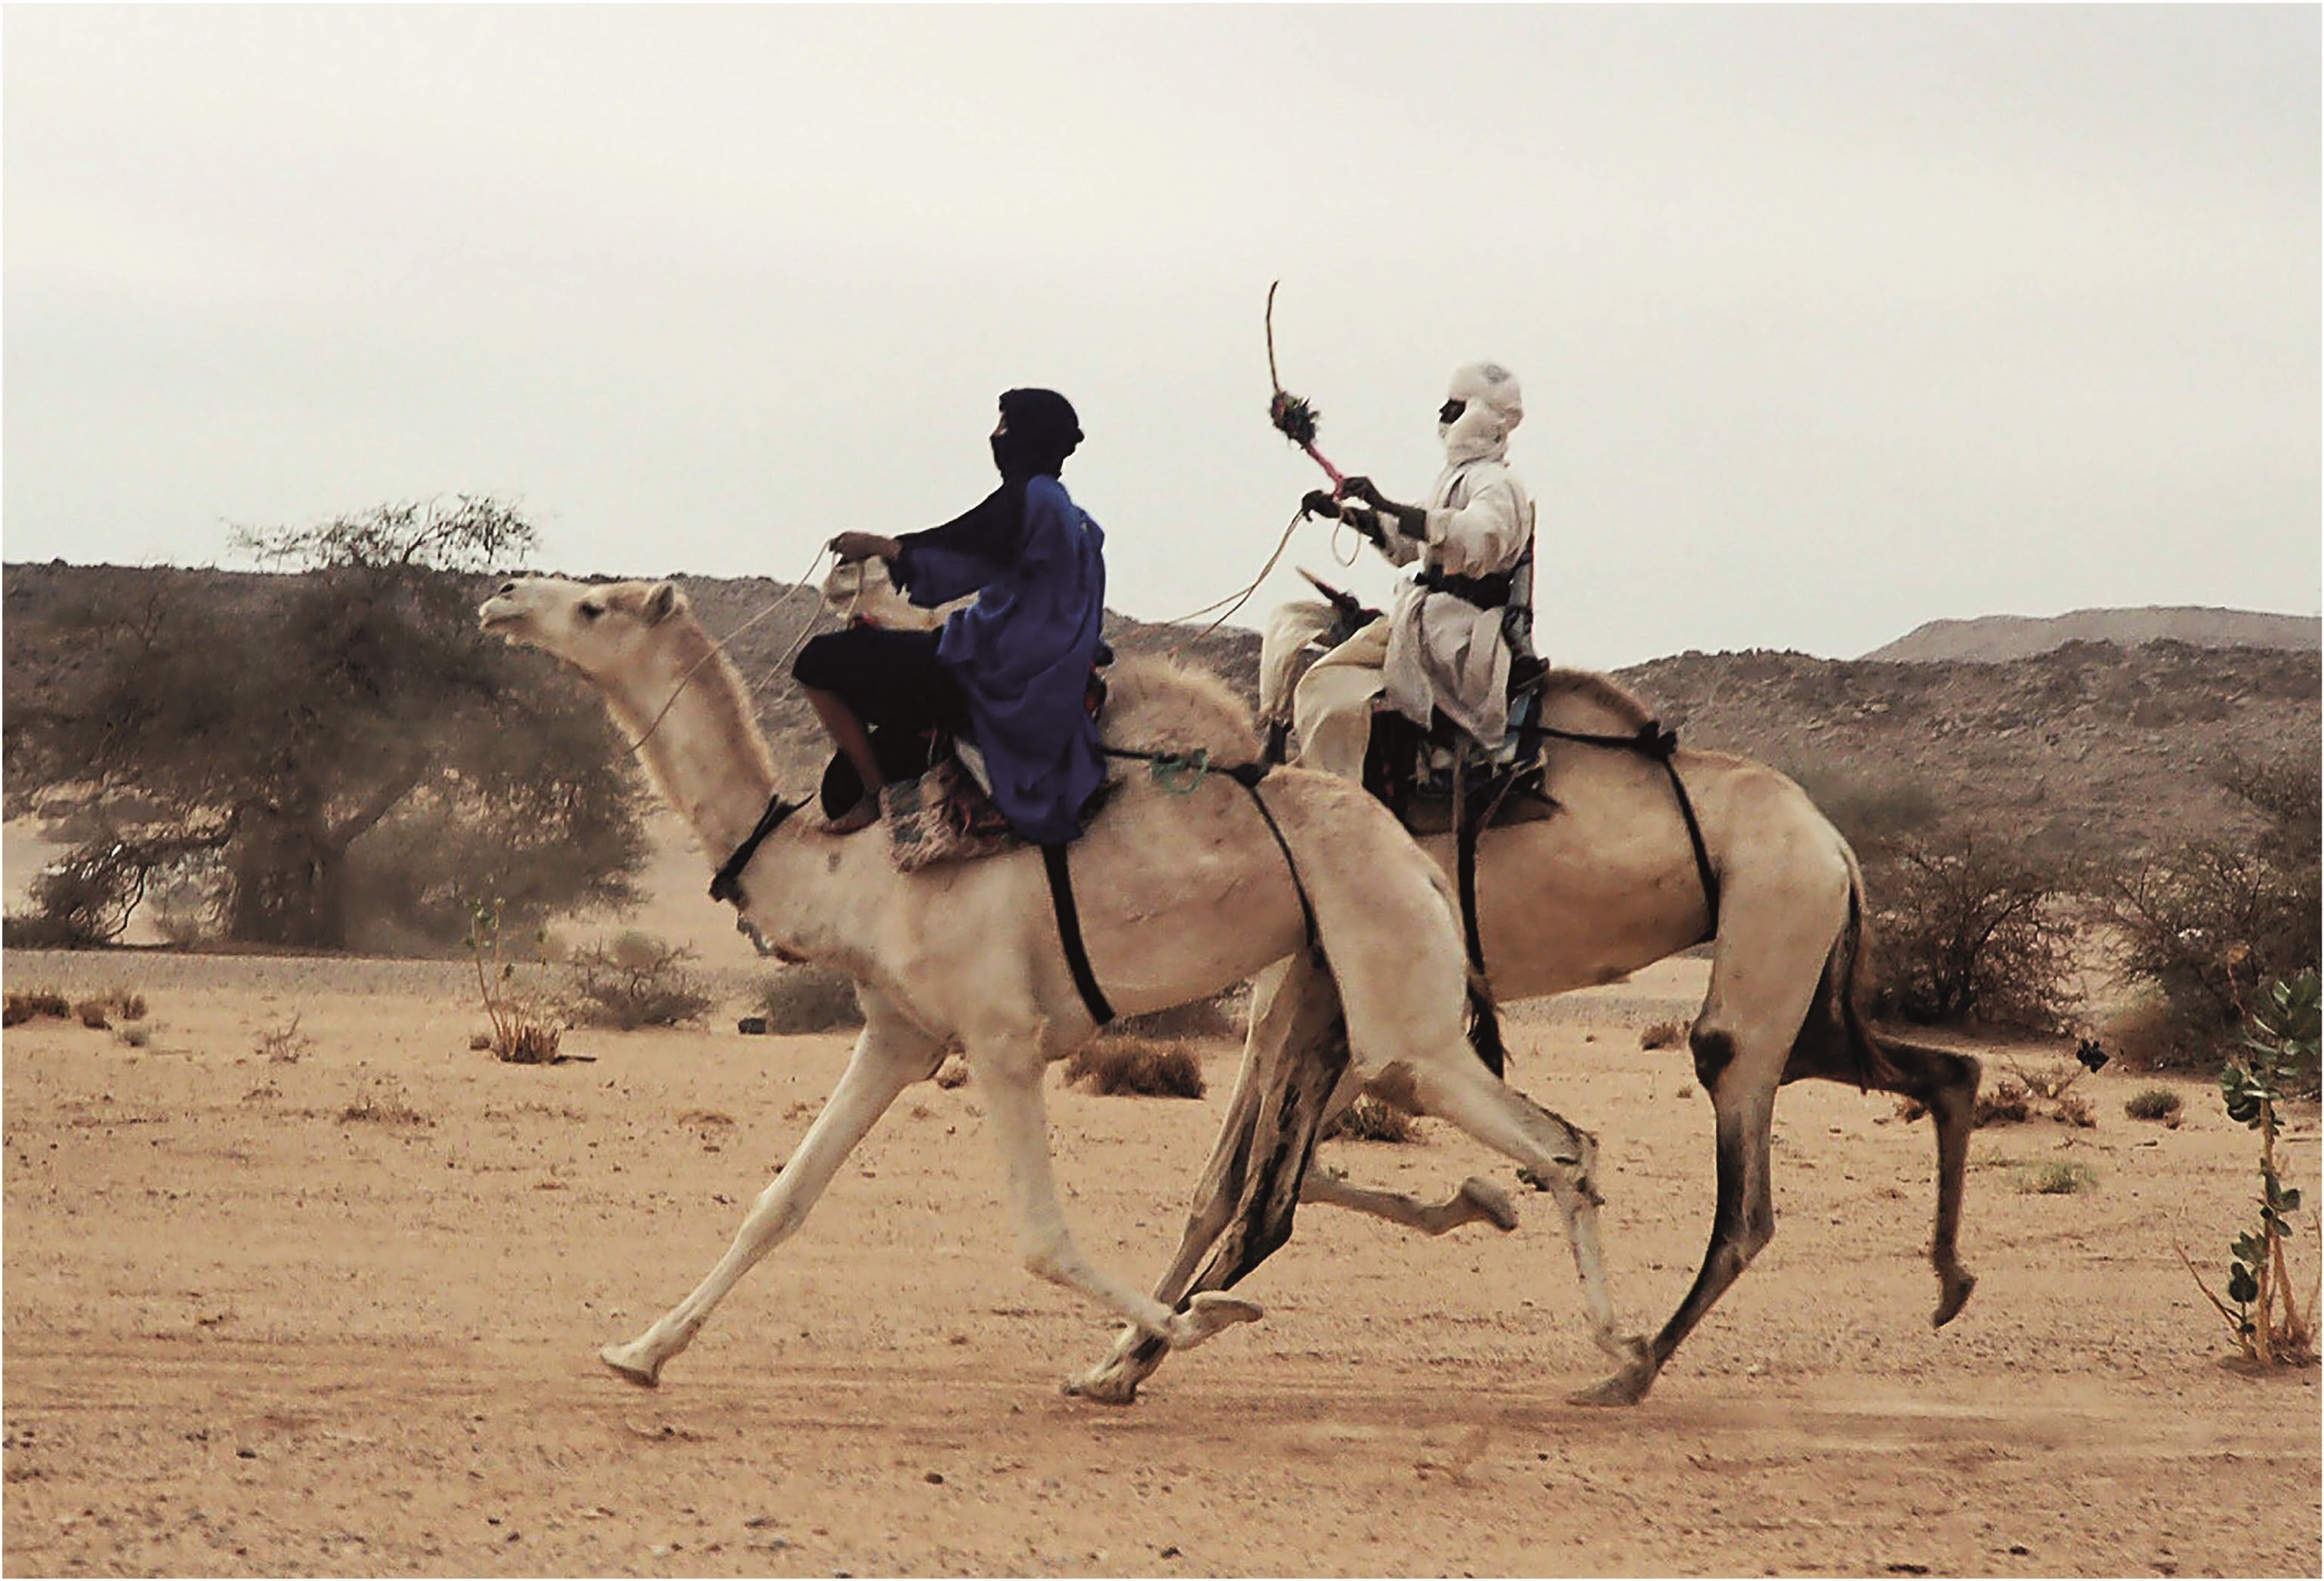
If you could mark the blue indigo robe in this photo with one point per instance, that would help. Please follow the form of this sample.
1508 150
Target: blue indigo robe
1022 651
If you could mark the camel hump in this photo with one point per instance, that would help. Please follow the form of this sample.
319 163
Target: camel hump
1155 704
1585 700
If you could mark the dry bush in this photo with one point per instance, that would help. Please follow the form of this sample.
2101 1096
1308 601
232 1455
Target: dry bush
2076 1110
1971 930
382 1107
2060 1177
519 1038
17 1008
1140 1067
2207 925
134 1034
798 1000
1664 1034
953 1073
637 981
2155 1103
2005 1103
1369 1119
284 1045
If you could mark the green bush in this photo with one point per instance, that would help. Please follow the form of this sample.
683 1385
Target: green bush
2154 1103
1969 928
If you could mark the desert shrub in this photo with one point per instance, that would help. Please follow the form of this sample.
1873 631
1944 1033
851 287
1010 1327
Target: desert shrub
953 1073
1664 1034
2075 1110
2155 1102
282 1045
1368 1119
2208 923
798 1000
382 1106
1140 1068
134 1034
93 1013
17 1008
2279 1046
637 981
2060 1178
524 1033
2005 1103
1971 930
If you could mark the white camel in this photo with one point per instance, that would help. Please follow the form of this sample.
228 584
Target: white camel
1180 895
1608 884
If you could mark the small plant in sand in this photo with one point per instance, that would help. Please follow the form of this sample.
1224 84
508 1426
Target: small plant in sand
2262 1307
1664 1034
637 981
522 1032
2060 1177
1140 1067
1368 1119
381 1106
284 1045
2155 1102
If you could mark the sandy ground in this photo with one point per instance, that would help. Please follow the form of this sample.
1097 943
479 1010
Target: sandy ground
337 1315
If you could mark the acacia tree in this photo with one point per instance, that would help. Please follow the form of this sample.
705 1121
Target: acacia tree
339 744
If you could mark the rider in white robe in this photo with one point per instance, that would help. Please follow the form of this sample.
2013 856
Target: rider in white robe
1449 643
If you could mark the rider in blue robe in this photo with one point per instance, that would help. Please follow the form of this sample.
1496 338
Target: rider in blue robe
1012 668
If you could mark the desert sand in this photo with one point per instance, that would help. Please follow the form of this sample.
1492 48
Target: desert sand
337 1314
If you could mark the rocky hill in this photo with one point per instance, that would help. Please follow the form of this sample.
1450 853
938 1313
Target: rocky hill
2096 746
1995 637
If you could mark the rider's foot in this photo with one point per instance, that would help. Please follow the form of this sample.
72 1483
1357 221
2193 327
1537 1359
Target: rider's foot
861 816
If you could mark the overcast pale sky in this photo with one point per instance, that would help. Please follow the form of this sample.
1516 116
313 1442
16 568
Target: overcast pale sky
1830 320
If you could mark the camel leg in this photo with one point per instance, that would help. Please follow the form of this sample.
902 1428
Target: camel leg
1478 1200
1012 1069
890 1056
1741 1225
1944 1084
1456 1086
1293 1062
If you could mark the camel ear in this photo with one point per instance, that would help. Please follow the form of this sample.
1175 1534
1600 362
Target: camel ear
661 602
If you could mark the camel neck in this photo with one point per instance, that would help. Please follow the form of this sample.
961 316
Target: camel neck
706 755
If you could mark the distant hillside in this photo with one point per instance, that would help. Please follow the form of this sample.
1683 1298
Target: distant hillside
1994 637
2092 746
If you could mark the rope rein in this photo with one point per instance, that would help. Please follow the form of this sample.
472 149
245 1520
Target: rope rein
719 646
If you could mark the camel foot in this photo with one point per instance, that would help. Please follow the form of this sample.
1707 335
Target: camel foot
1627 1387
629 1363
1104 1384
1490 1202
1207 1313
1953 1295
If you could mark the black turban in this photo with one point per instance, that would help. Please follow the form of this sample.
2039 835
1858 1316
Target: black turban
1042 432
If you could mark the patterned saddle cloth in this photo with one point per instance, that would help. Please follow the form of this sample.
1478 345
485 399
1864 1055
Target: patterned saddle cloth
944 816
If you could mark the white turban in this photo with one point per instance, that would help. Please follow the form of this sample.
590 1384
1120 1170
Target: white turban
1494 405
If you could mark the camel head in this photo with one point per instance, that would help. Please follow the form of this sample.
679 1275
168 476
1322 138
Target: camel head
602 629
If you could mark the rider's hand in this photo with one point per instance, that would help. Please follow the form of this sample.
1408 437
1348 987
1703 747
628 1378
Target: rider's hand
1319 503
1366 522
860 546
1360 487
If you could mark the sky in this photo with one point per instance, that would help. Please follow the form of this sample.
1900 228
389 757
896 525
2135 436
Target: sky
1831 320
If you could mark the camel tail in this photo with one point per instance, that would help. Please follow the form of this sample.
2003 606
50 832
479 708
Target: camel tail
1837 1013
1485 1024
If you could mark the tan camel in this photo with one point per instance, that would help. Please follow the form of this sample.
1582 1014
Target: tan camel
1609 884
1180 895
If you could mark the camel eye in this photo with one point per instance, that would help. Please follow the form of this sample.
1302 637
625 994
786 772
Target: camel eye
591 611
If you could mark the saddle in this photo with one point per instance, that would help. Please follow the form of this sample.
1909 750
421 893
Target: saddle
937 805
1440 778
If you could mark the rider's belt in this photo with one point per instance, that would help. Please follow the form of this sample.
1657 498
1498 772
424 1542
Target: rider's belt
1484 592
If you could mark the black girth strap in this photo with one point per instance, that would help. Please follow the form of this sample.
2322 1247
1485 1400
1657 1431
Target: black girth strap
1662 745
1181 773
1069 929
726 883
